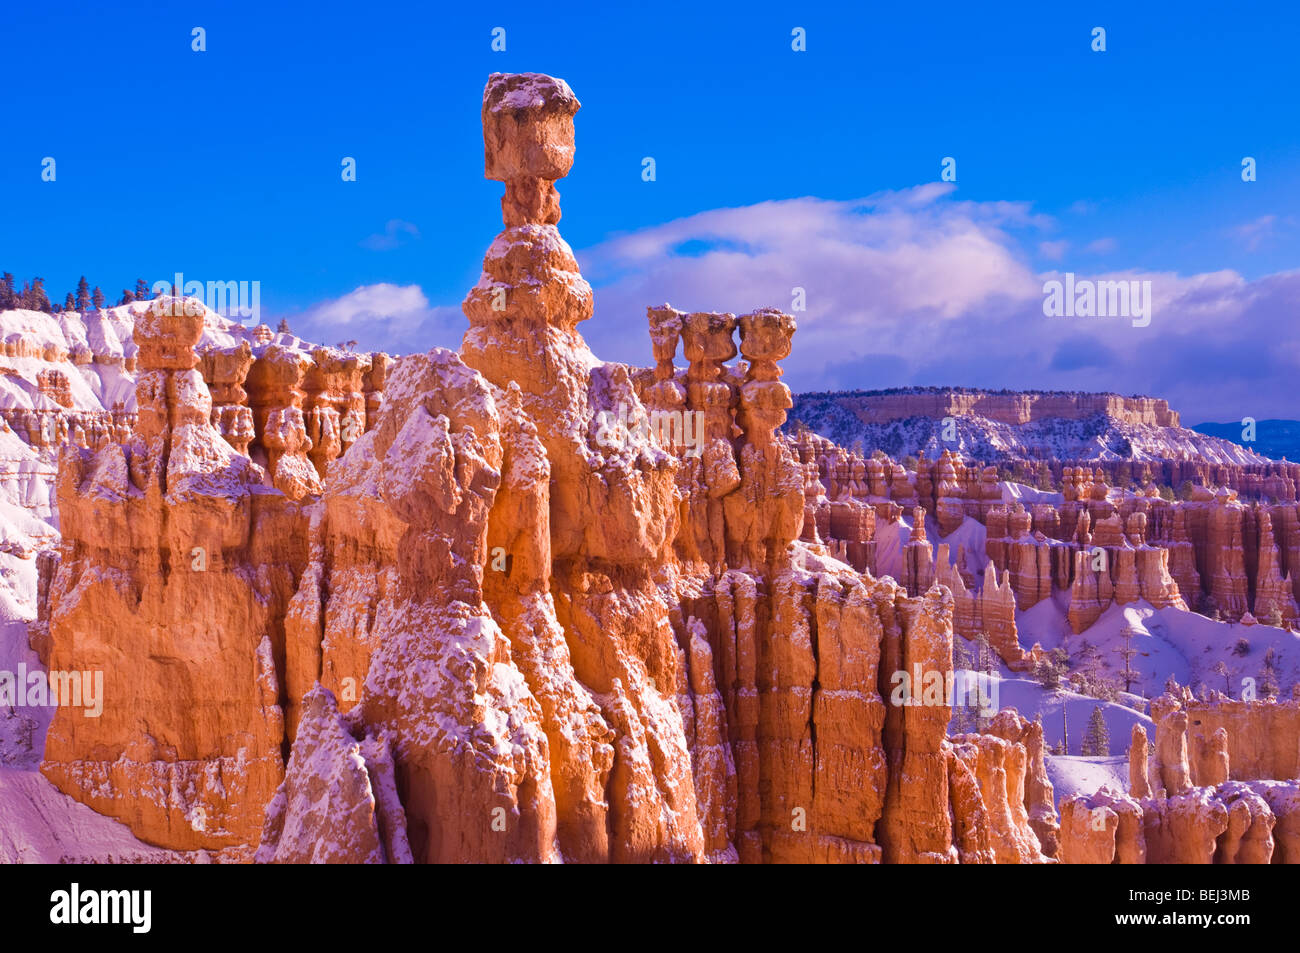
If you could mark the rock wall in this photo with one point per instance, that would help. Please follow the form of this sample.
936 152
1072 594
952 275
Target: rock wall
1192 801
176 566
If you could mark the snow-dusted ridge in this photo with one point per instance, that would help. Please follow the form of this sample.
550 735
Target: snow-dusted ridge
1064 427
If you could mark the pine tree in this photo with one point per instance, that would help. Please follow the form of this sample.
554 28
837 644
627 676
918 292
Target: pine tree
283 326
127 296
36 297
1050 669
69 303
1127 653
1268 674
142 292
8 296
97 298
961 658
962 722
83 295
1096 741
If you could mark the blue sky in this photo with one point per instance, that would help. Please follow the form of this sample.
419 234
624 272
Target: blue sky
225 165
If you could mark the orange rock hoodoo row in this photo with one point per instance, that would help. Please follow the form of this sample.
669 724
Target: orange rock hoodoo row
1212 553
1218 786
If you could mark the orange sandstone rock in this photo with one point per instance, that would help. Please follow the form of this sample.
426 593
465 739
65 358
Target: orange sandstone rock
176 559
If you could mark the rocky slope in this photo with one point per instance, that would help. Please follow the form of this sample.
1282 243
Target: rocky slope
1277 439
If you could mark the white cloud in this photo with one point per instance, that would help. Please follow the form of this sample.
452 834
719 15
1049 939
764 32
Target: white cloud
394 235
889 272
903 288
387 317
369 302
1053 251
914 288
1254 234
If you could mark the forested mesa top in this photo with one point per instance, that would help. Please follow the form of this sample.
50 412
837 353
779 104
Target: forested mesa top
1011 407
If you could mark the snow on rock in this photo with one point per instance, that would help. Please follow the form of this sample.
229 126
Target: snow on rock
22 726
969 537
1074 775
1019 493
1169 642
327 810
40 825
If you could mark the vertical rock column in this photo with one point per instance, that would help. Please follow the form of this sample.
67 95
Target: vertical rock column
1273 592
707 341
916 826
612 496
765 514
224 370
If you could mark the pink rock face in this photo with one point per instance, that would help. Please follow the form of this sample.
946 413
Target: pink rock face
999 768
176 558
1106 828
1139 779
1249 837
1029 791
1207 553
